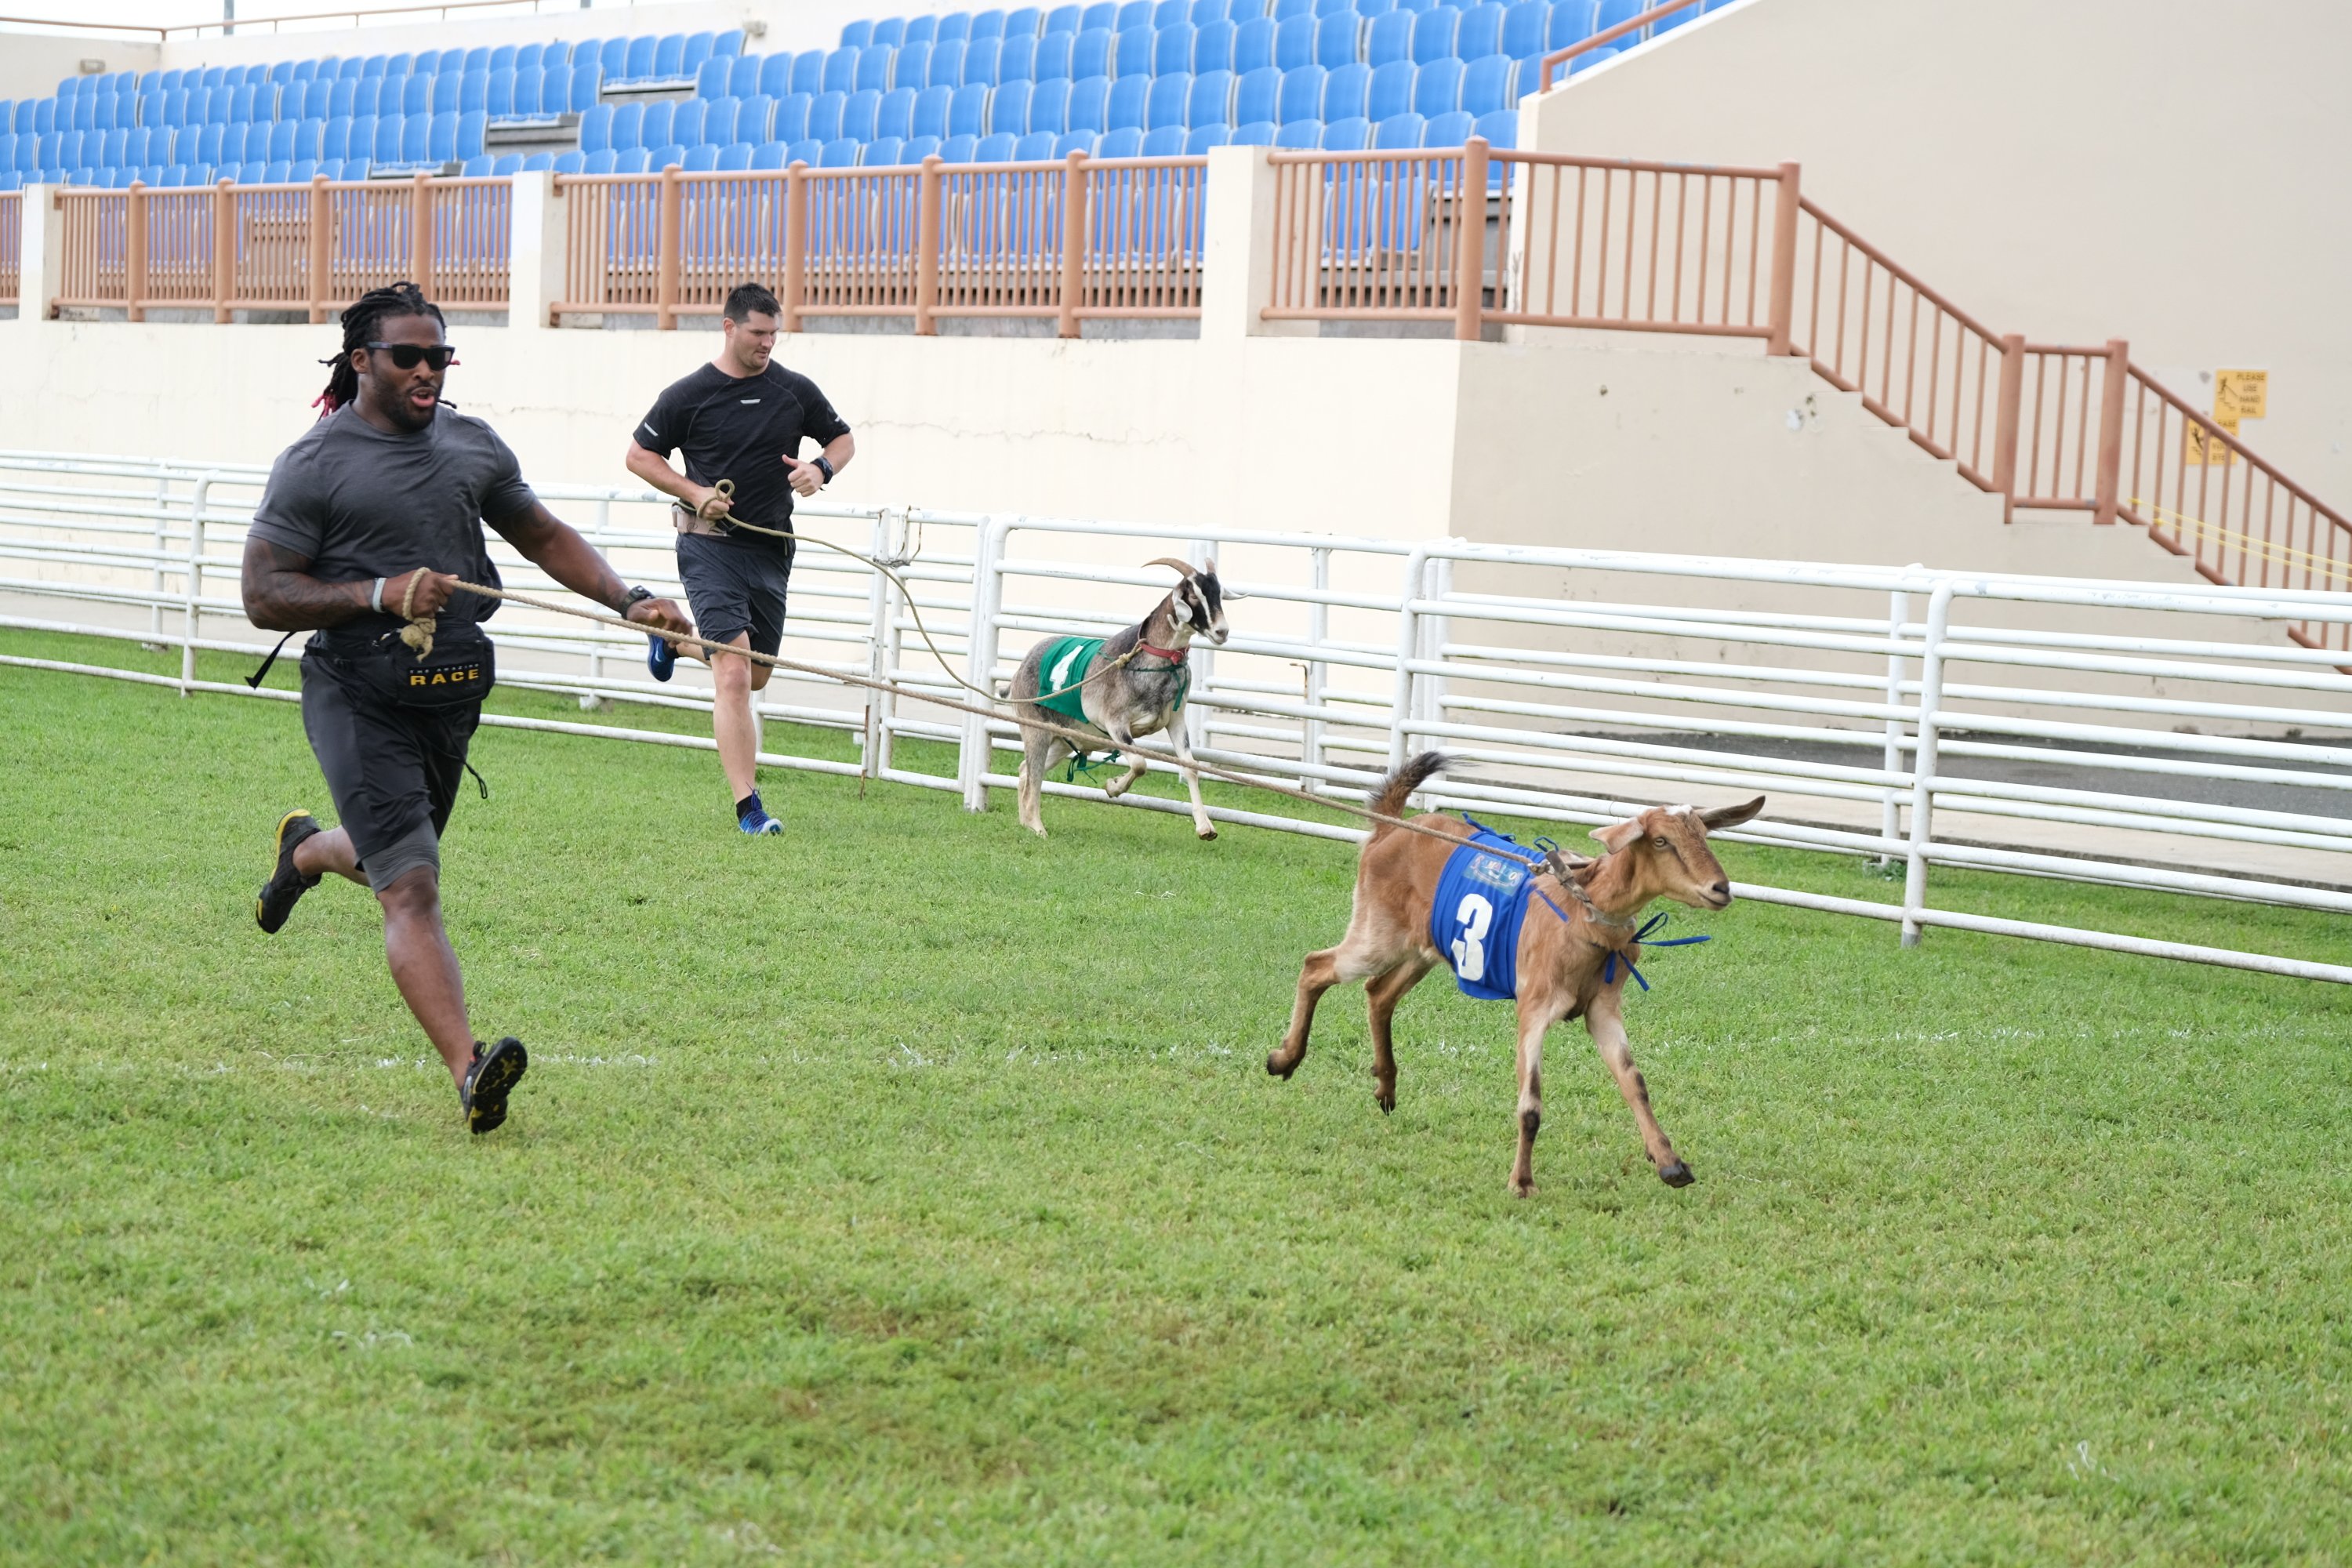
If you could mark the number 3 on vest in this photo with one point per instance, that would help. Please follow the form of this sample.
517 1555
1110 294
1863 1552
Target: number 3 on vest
1470 948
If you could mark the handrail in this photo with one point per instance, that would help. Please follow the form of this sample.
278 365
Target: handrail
1610 36
229 27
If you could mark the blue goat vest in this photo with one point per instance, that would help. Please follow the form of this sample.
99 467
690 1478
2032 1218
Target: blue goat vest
1482 896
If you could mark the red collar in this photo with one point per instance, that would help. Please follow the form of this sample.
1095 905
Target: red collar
1173 655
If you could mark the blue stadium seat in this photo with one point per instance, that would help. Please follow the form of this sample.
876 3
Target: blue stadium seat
527 56
995 148
1257 96
857 35
915 149
1212 48
808 150
688 120
1203 137
1390 91
247 174
1500 129
1165 105
281 142
1340 40
604 162
858 113
775 74
958 149
499 100
480 163
1255 134
1253 46
1167 141
700 160
808 72
946 64
954 25
920 30
1090 105
889 31
825 116
1049 107
415 143
1570 23
1133 54
1033 147
710 82
968 111
1449 130
1074 141
542 163
473 91
729 43
883 152
596 129
743 74
450 60
1053 57
1024 22
1487 84
874 68
1168 13
1432 34
1481 32
1016 60
894 116
986 24
415 95
1350 136
699 48
573 162
1436 87
1061 19
300 174
637 62
1399 131
1211 100
791 118
628 127
1301 97
1129 96
1389 37
931 110
980 62
1171 49
587 81
768 155
841 71
1294 42
754 116
1346 92
1126 142
658 158
1008 110
1134 16
335 140
1091 54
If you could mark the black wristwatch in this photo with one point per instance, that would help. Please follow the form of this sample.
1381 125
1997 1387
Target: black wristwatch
633 598
825 468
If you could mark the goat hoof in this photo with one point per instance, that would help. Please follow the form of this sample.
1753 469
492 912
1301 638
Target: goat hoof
1386 1100
1677 1174
1523 1189
1206 832
1276 1069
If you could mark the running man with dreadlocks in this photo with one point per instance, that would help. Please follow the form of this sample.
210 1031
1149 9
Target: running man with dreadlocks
369 521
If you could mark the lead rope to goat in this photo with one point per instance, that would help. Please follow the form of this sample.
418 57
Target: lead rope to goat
727 489
1075 737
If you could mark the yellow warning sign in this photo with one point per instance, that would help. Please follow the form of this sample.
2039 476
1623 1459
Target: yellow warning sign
2204 451
2241 394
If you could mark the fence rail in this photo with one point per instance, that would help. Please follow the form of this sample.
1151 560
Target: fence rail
1927 720
1069 241
312 247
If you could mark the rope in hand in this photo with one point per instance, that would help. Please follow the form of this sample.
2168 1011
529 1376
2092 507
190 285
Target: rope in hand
1556 863
726 487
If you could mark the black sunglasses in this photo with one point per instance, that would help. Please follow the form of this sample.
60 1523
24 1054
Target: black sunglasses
440 356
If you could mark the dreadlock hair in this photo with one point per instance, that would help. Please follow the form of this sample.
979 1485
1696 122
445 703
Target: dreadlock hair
360 321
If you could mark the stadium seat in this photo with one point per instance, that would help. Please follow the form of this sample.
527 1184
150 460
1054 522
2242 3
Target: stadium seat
1570 22
1255 134
334 140
700 160
1130 97
968 111
1165 103
947 65
768 155
1134 16
1090 105
915 149
480 163
473 91
1212 48
986 24
1092 54
711 80
1301 95
858 112
504 164
1167 141
1436 87
596 129
688 123
628 126
997 149
958 149
1052 60
1350 136
1033 147
789 121
1171 49
1008 108
571 163
1049 107
980 62
658 158
1133 53
636 59
955 25
1257 96
931 112
874 68
825 116
1210 99
743 74
1294 42
1203 137
1450 130
840 72
1339 40
1016 60
1432 34
808 150
883 152
775 74
808 72
1346 92
415 95
1063 19
1487 84
1071 142
1399 131
857 35
604 162
895 115
1126 142
1389 37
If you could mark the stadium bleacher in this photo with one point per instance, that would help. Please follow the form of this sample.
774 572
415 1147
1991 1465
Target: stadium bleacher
1117 77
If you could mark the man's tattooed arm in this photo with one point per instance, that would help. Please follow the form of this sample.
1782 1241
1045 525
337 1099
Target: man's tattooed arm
280 595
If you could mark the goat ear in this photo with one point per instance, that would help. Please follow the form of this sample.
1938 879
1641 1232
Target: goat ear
1724 816
1615 835
1180 608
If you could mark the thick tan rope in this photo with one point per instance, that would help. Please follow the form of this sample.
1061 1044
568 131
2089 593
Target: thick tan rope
1074 737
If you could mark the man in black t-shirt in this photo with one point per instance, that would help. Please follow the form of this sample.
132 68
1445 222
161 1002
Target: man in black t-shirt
741 418
370 520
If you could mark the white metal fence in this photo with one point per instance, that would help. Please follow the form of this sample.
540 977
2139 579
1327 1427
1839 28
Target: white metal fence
2112 733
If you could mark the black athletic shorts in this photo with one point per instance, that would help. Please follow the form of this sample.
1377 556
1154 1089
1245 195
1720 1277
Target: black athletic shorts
394 770
735 587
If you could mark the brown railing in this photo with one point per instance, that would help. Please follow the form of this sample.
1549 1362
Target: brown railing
12 242
1065 241
1626 29
1374 235
312 248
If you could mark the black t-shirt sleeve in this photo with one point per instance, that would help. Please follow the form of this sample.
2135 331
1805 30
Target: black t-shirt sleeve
293 510
819 423
506 495
664 426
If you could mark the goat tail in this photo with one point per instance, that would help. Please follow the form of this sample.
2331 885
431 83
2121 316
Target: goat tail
1398 787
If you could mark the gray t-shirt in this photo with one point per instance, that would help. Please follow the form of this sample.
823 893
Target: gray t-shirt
364 503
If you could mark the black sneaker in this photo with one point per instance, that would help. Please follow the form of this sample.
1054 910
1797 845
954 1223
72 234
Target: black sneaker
286 885
493 1076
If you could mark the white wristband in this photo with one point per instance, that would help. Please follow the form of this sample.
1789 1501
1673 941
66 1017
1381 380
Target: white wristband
376 597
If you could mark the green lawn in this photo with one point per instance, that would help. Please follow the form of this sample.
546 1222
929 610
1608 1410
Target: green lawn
907 1190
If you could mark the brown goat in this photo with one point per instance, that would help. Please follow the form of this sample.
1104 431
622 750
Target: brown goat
1661 853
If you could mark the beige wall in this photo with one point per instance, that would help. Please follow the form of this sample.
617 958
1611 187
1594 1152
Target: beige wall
2162 170
32 64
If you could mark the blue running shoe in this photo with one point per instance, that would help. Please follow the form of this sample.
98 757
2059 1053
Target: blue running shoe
760 823
661 658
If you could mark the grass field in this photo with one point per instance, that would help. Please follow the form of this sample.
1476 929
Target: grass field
906 1190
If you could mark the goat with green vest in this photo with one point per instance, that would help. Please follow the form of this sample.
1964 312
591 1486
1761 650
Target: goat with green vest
1130 684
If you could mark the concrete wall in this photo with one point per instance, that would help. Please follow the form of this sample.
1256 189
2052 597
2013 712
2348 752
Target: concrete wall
32 64
2161 171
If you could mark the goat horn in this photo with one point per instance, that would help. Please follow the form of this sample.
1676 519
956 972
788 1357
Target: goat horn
1182 568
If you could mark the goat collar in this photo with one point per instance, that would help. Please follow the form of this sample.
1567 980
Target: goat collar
1173 655
1565 875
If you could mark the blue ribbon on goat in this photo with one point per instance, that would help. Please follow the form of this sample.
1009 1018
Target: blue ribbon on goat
1609 965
